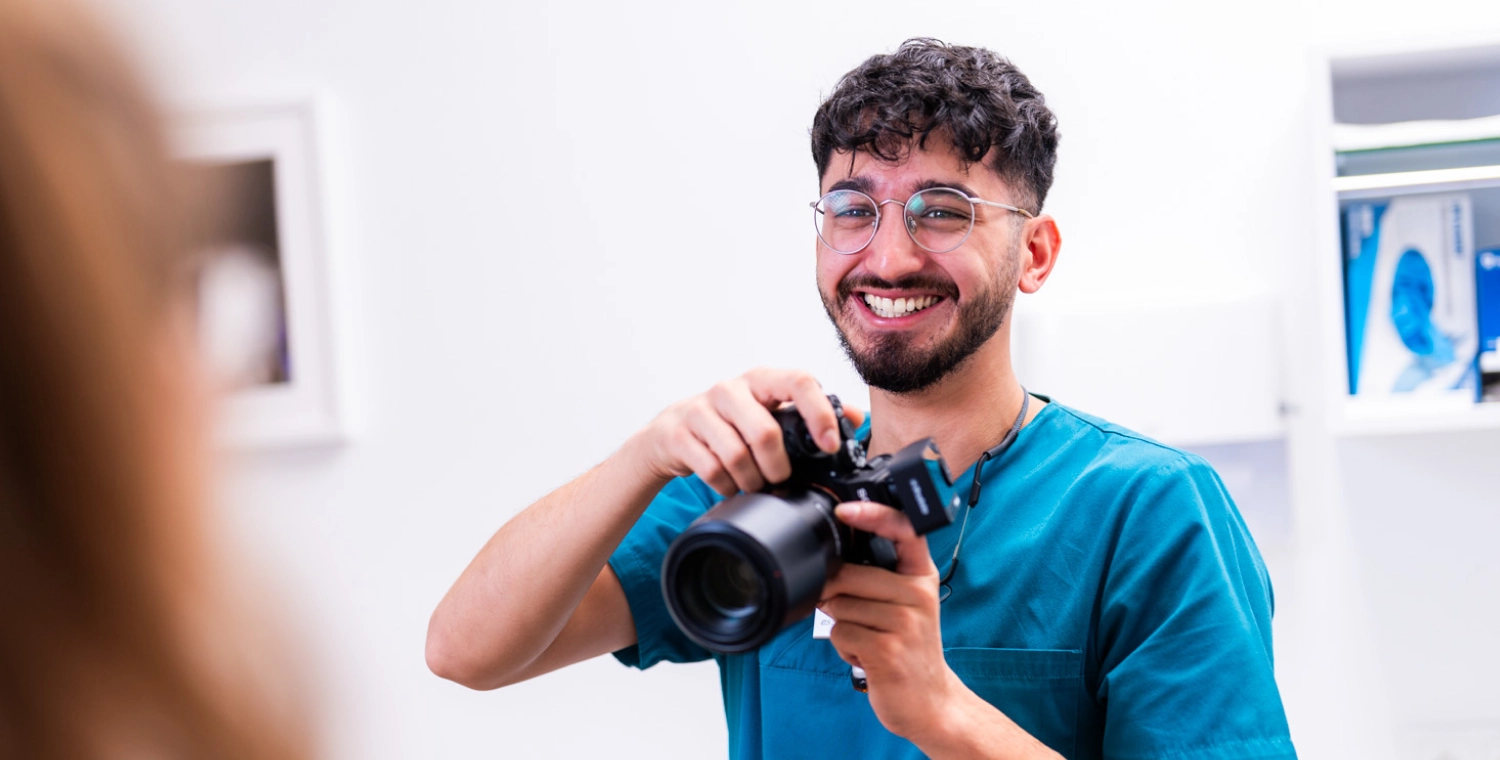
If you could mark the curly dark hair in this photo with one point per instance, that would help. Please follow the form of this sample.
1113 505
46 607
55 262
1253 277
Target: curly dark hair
970 95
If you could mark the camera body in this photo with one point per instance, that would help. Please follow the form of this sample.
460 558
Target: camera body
756 563
914 480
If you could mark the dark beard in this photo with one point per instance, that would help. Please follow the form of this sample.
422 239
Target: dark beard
892 363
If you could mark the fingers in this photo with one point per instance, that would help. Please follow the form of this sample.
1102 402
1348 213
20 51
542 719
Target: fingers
695 455
912 557
877 585
854 643
729 448
877 616
728 437
848 656
755 427
854 415
771 387
886 522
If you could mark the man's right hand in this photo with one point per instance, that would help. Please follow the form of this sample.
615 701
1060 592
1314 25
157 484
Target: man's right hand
539 596
727 435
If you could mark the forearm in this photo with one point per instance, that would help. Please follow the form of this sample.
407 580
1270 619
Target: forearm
969 727
512 600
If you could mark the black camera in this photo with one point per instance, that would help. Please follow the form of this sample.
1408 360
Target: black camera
757 562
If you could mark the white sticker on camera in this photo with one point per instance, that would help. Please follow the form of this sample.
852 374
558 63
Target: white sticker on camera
822 625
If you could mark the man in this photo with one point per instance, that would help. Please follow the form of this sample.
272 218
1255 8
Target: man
1110 602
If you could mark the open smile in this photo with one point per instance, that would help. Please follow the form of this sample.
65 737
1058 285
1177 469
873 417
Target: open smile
886 307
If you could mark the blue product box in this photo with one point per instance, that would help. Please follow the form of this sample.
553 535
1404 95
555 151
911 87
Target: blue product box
1487 287
1410 296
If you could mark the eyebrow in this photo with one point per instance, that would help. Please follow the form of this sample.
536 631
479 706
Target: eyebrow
959 186
862 184
867 186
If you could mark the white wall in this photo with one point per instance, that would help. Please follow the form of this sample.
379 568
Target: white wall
531 257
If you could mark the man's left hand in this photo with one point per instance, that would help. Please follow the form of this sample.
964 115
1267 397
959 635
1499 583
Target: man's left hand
887 624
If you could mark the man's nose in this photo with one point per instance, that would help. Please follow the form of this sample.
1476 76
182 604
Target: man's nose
893 254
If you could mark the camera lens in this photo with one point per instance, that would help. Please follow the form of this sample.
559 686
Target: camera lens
749 567
719 591
729 585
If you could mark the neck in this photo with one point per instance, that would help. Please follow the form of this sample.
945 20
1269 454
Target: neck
966 413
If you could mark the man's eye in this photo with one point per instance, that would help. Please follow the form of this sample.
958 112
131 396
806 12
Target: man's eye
855 213
944 214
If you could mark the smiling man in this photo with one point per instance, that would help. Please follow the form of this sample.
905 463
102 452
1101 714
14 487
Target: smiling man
1110 601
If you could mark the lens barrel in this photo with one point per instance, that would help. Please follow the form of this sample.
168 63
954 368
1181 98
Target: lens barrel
750 566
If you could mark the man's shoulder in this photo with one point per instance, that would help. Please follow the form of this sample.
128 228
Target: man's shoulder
1109 448
1130 476
1147 488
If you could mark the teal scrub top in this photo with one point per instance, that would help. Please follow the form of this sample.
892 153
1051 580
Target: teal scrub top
1109 600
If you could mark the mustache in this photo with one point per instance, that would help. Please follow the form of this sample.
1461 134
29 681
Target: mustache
928 283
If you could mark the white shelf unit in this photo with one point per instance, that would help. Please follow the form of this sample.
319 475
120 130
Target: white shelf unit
1406 123
1386 498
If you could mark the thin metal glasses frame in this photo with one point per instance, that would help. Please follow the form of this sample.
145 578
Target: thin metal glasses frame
905 208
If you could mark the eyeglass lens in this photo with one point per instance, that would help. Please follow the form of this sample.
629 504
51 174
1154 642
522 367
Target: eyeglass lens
937 219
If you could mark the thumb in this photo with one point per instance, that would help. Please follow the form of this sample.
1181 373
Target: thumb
912 556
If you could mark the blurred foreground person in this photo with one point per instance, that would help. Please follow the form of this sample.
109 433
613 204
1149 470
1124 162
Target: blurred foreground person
115 637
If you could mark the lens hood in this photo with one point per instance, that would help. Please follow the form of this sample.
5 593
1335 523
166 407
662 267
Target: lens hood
790 541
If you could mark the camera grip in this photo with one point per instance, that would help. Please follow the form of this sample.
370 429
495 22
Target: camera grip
882 553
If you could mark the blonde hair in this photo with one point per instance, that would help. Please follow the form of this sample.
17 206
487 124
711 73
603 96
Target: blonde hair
105 578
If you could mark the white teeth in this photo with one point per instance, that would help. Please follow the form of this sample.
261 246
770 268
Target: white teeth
900 307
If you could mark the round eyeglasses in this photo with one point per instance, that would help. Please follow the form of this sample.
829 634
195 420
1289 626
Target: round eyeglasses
938 219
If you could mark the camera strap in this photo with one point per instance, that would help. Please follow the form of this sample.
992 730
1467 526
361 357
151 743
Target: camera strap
1010 437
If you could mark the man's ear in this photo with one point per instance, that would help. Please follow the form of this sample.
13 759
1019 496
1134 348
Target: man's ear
1040 243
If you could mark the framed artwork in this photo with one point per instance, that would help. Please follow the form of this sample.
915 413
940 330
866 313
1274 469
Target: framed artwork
263 304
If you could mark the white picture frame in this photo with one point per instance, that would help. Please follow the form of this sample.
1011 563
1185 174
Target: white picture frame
300 408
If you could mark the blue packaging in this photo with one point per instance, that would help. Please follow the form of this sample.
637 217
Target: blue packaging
1410 296
1487 287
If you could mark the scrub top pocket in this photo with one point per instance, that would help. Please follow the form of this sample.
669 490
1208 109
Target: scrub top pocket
805 692
1036 688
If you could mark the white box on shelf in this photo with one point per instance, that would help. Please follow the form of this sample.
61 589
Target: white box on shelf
1412 324
1488 294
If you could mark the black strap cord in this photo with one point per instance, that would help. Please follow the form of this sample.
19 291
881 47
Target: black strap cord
1010 437
1000 448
